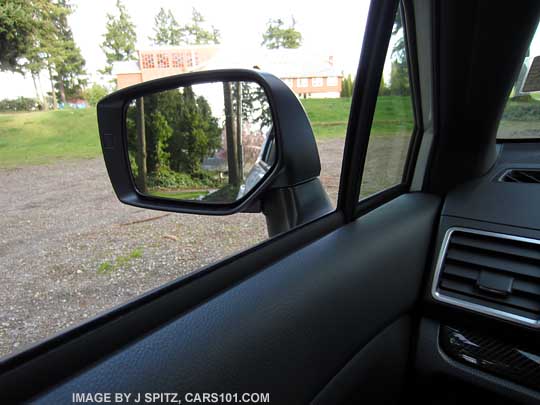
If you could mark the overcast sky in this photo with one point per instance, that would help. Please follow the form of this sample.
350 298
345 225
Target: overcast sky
334 28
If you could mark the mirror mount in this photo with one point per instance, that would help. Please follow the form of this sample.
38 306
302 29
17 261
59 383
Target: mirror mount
291 184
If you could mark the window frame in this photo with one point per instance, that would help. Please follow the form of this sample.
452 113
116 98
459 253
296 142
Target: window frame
365 95
317 82
380 197
302 82
332 81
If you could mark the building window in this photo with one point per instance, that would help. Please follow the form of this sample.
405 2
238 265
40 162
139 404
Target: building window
162 60
302 82
317 81
332 81
177 60
148 61
189 59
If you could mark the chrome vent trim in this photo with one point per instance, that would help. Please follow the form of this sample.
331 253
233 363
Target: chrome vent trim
483 309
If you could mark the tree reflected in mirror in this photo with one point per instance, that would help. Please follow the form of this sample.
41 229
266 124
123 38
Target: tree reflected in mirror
209 142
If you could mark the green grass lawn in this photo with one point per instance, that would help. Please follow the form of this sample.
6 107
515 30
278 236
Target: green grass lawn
45 137
180 195
329 117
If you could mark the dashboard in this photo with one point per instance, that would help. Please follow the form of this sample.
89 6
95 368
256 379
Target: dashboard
480 321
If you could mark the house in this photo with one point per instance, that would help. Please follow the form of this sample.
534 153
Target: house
307 74
159 62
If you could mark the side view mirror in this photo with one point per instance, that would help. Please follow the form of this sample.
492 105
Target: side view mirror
214 143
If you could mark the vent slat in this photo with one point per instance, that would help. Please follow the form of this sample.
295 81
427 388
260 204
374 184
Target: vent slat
521 176
526 288
510 179
456 270
510 300
494 261
527 176
471 275
506 246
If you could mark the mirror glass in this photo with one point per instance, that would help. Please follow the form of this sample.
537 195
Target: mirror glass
210 142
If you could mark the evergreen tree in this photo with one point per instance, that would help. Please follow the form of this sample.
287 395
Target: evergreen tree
277 35
55 51
399 73
24 24
347 86
399 79
254 104
179 129
167 31
67 59
30 37
195 33
119 40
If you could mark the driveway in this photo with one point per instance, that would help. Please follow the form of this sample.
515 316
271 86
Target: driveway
70 250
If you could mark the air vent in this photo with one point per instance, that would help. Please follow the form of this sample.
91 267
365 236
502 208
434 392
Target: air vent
491 273
521 176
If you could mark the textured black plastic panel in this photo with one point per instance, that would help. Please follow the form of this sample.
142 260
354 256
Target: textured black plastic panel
514 204
492 355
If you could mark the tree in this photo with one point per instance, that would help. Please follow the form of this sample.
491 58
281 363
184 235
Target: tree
399 79
140 158
383 90
119 40
95 93
254 105
399 73
30 37
179 132
194 33
23 24
347 85
398 50
277 35
167 31
67 59
55 51
196 133
231 137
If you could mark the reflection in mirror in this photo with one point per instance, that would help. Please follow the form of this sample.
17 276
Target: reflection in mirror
209 142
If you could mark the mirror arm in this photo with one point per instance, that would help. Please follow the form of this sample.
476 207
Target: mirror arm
288 207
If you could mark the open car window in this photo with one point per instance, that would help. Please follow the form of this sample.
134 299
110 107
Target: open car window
521 117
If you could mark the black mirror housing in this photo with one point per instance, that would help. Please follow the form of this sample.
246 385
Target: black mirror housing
297 157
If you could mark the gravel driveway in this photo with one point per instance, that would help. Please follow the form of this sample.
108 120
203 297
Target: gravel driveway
69 249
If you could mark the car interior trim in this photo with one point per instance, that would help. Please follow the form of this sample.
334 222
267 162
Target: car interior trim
438 296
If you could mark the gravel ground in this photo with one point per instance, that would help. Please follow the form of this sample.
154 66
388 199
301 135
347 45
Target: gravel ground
70 250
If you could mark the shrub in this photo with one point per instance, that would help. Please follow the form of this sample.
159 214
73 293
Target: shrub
95 93
169 179
522 111
19 104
